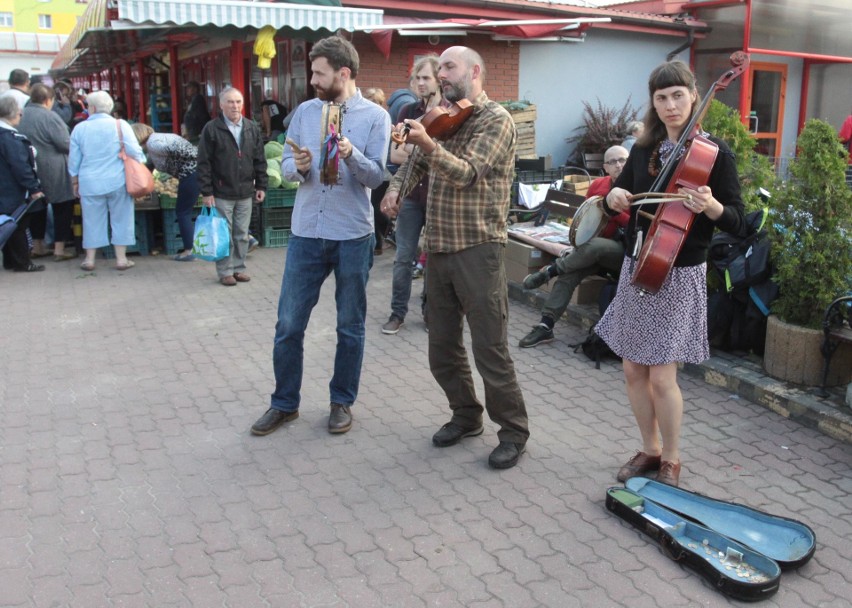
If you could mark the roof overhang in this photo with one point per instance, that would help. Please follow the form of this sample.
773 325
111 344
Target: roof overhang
113 31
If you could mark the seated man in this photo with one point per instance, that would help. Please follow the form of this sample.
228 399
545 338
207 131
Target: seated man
605 252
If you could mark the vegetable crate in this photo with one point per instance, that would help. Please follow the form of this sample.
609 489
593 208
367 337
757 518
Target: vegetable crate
277 217
255 223
170 202
279 197
144 224
172 241
276 237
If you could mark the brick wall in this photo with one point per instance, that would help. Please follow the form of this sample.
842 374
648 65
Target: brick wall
501 64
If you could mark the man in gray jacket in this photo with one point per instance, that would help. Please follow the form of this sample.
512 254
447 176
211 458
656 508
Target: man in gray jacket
231 174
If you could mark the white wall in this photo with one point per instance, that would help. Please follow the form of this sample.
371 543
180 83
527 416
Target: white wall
33 64
558 76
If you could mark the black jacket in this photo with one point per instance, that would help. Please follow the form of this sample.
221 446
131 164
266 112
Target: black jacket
18 179
724 183
228 171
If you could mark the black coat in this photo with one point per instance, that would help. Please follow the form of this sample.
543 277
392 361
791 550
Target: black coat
724 183
18 180
228 171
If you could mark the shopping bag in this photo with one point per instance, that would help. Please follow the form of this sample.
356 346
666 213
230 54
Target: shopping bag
212 238
532 195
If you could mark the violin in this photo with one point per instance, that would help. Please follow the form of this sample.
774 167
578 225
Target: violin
440 122
673 220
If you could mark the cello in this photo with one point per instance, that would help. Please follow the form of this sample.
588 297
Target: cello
672 221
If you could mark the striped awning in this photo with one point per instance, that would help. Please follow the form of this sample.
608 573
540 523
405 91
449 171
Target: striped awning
113 30
221 13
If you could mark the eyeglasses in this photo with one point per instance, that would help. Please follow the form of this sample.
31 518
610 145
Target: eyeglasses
616 161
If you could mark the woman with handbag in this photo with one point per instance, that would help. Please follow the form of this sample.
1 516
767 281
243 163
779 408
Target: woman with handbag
98 175
172 154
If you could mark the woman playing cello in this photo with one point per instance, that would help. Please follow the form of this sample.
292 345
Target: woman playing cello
652 332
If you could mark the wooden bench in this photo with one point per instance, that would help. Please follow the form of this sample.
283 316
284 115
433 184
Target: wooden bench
837 327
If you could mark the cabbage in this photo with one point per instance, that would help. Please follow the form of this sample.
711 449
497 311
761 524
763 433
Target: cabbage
273 150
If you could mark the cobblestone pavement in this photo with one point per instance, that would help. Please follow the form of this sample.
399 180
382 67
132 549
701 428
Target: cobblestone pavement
128 476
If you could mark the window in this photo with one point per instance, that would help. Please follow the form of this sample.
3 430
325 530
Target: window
6 20
45 22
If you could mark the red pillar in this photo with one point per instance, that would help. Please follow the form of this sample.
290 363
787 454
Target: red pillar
143 91
237 72
174 87
128 90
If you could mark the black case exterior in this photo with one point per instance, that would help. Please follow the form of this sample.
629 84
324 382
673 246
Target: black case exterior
725 582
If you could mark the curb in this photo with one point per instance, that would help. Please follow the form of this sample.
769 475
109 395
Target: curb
743 376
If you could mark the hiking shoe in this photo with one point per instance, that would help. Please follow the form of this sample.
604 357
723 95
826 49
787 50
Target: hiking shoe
536 279
451 433
506 455
393 325
540 334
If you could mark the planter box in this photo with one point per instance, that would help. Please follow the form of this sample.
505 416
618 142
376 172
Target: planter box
793 355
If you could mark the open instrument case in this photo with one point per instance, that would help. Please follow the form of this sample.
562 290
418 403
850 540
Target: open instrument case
739 550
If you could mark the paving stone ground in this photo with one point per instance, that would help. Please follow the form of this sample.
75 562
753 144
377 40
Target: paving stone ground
128 476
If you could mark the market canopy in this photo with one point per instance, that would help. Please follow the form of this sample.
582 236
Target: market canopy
120 30
222 13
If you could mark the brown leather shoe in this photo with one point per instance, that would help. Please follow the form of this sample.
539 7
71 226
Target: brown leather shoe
228 281
669 473
242 277
640 464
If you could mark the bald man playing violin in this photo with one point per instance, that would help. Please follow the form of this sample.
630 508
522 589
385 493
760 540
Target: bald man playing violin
411 215
470 174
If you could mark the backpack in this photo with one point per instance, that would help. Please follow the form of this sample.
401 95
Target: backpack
742 262
594 346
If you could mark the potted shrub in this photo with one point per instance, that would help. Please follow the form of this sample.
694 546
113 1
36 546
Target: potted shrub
755 170
602 128
811 233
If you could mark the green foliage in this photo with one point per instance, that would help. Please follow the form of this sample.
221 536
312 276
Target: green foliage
811 228
603 126
755 171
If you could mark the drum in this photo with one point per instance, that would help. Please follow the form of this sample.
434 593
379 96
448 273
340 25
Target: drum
588 222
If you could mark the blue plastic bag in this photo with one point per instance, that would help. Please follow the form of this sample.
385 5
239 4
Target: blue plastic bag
212 238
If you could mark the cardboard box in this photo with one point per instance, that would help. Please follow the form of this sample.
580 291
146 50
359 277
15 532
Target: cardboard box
516 273
526 255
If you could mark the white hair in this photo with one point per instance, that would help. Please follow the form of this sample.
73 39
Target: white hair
227 90
99 102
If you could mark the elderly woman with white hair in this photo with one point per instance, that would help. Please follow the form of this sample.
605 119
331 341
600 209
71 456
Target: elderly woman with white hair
97 174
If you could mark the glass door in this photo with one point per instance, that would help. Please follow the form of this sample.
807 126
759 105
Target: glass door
766 93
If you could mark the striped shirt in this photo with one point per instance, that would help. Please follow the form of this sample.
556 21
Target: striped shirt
470 178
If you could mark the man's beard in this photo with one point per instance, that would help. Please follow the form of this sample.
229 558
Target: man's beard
331 93
456 91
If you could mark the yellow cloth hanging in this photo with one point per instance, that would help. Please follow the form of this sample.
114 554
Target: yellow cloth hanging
264 46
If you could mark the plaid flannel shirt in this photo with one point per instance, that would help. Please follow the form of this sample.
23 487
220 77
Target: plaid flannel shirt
470 179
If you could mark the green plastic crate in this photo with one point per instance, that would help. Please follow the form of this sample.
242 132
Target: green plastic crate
276 237
279 197
170 202
278 217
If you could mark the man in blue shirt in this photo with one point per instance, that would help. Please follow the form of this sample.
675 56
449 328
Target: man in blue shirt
332 231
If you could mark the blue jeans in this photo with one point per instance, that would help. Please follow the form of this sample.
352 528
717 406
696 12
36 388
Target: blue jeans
187 198
409 223
308 264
